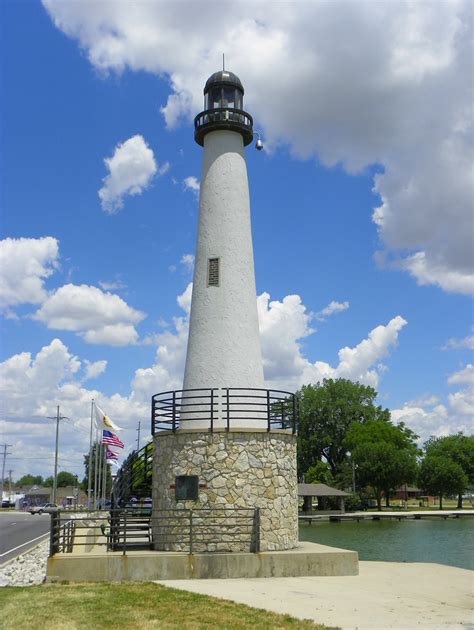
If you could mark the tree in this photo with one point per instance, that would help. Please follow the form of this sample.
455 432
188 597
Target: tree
66 479
458 448
30 480
327 411
385 456
319 473
439 475
85 481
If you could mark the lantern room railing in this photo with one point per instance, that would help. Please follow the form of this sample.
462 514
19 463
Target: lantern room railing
223 118
224 408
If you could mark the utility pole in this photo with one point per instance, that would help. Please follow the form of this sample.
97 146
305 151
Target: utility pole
57 417
10 485
5 453
138 438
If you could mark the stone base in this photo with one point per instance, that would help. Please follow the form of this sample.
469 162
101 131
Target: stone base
144 566
237 470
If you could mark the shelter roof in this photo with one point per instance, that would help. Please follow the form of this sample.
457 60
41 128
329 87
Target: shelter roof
38 491
319 490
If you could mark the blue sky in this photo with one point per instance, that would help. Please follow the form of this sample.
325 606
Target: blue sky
352 121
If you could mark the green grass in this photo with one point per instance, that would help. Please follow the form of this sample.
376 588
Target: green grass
131 605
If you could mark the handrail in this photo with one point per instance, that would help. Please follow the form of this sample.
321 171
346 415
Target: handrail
223 114
134 478
123 530
223 118
224 408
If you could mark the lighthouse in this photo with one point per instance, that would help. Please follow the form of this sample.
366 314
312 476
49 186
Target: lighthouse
224 446
224 342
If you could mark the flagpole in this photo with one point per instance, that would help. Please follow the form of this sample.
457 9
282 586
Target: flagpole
89 481
96 462
99 484
104 478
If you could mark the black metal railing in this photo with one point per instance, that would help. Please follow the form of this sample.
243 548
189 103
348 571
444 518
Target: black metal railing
207 530
223 118
134 478
120 529
190 531
228 408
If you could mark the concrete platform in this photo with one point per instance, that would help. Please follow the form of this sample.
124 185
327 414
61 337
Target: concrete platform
308 559
405 596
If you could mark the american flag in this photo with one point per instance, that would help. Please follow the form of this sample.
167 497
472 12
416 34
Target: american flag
110 438
110 454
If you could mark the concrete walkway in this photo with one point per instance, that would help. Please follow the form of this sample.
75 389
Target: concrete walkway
405 596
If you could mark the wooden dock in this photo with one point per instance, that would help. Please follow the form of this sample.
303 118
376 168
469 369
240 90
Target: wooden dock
337 517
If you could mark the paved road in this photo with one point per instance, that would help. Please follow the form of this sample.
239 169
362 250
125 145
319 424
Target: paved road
19 531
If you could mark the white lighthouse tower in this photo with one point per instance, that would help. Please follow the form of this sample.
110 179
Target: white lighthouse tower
224 343
224 455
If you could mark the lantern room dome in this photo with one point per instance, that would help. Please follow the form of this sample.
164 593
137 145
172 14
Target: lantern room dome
223 77
223 108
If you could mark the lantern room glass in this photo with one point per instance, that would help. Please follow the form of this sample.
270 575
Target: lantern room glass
226 97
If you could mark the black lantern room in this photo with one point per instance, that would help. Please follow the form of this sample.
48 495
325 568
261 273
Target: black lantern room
223 108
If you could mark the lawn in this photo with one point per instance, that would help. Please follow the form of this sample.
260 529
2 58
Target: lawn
132 605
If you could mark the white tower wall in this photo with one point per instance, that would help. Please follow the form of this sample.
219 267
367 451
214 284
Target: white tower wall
224 341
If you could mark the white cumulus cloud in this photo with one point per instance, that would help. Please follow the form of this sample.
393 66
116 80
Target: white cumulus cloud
25 263
430 417
463 377
192 183
187 260
97 316
32 386
464 343
332 308
377 83
94 369
131 170
283 327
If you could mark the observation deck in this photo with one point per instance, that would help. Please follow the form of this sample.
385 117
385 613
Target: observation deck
224 408
223 118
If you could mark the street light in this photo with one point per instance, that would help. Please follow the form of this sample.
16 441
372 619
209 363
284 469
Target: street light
353 472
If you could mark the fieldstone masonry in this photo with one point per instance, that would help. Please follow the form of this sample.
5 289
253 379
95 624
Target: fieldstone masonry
236 469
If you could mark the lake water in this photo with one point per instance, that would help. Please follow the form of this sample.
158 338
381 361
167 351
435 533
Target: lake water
427 540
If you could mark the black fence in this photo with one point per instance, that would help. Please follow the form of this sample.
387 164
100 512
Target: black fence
190 531
210 530
224 408
134 478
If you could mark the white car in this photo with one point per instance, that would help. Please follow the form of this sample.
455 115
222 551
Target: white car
46 508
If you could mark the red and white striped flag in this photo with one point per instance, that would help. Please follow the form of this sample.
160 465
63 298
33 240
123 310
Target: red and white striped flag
110 454
110 438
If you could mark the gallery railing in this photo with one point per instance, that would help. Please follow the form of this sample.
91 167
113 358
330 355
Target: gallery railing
189 531
223 118
228 408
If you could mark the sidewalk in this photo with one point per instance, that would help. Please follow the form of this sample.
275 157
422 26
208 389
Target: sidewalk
405 596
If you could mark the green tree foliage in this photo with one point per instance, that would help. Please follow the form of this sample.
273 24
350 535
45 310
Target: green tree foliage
319 473
85 482
441 476
327 411
385 456
66 479
458 448
30 480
